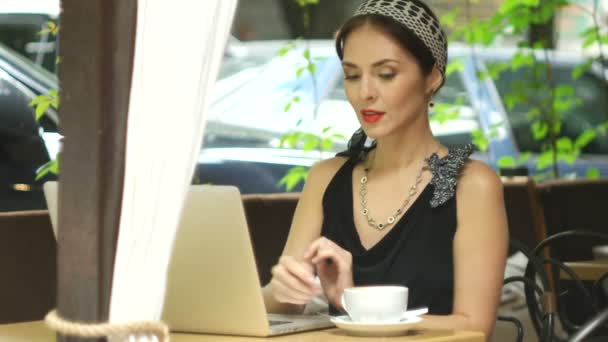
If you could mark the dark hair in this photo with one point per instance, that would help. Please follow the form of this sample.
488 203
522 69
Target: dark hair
406 38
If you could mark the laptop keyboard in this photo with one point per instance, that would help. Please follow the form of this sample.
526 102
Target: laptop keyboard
275 323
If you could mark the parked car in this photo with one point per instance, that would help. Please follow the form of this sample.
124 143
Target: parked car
23 148
247 117
27 144
254 99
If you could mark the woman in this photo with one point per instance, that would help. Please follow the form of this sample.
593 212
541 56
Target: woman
405 210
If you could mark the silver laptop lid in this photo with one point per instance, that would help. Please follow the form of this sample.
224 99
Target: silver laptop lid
213 285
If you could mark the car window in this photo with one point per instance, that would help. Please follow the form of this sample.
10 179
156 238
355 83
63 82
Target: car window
590 112
233 65
21 33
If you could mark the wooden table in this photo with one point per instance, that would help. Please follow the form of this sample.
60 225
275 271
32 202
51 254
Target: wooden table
37 332
587 270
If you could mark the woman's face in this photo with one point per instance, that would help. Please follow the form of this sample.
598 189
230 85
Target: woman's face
383 82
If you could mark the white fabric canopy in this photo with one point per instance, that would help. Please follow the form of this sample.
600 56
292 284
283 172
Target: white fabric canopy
179 46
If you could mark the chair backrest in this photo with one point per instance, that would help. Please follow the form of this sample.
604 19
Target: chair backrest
27 266
269 218
524 211
574 204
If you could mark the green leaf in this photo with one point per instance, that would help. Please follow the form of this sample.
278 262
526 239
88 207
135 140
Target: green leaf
305 3
520 59
506 162
326 129
327 144
52 28
306 54
481 75
539 130
564 90
512 99
561 105
593 173
49 167
38 99
557 127
564 144
591 31
545 159
296 99
569 157
283 51
299 71
456 65
55 103
287 107
53 92
294 176
338 136
312 68
54 168
292 140
585 138
533 113
310 145
43 172
285 139
524 157
580 69
480 140
531 3
311 141
41 109
538 45
495 69
590 40
444 112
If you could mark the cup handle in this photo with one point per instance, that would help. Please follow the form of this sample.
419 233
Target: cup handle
415 312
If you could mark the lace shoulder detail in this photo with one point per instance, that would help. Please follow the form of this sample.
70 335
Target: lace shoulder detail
445 172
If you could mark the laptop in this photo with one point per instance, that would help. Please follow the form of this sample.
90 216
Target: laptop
212 284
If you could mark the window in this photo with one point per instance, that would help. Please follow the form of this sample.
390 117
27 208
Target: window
22 150
592 111
21 33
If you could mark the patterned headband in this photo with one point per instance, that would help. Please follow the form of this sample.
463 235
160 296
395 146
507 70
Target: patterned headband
416 19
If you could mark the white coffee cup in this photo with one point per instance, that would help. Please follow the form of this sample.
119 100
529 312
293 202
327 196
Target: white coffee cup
375 304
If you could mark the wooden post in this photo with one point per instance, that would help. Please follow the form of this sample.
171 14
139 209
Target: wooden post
96 49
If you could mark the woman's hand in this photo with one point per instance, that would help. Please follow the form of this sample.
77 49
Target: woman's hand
293 281
334 267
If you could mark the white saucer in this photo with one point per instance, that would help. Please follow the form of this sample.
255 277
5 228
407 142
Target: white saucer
375 329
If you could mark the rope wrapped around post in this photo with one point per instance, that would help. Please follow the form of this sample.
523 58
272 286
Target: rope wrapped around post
97 330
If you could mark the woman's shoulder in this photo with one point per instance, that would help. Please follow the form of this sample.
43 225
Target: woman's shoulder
323 171
477 176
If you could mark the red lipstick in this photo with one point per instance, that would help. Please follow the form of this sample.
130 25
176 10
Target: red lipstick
371 116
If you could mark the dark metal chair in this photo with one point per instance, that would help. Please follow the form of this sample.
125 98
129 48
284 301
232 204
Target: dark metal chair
541 305
585 332
592 302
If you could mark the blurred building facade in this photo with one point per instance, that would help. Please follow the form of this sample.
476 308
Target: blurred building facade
282 19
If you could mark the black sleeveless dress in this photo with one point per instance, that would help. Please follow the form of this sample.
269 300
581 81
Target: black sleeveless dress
417 251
